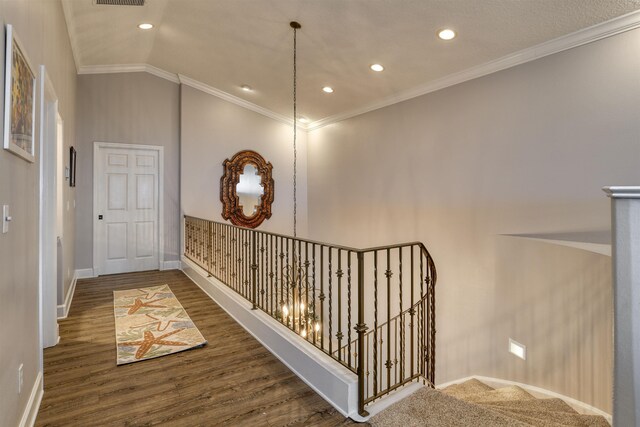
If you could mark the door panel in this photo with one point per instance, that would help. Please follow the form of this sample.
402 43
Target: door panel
117 191
127 188
117 241
145 191
144 239
117 160
145 161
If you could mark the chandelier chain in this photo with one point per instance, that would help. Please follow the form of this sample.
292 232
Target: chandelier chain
295 117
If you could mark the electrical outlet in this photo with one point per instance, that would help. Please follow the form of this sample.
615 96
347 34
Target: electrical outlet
20 378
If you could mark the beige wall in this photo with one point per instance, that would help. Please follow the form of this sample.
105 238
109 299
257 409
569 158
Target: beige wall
525 150
131 108
42 29
558 301
214 130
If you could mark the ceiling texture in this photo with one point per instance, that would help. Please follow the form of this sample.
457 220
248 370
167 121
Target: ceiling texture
228 43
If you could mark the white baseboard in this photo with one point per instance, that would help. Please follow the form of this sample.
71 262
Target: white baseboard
63 310
170 265
538 392
333 382
85 273
33 404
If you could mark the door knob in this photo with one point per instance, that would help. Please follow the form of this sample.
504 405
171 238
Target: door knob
99 216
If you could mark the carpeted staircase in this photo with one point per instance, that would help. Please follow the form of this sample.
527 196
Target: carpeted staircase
474 403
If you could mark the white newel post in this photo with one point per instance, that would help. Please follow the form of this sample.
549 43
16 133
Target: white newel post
625 218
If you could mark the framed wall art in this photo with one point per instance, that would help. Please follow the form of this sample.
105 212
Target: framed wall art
19 99
72 167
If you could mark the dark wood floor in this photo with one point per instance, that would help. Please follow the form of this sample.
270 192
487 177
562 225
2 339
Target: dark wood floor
233 380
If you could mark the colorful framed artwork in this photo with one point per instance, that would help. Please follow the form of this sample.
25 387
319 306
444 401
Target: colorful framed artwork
72 166
19 100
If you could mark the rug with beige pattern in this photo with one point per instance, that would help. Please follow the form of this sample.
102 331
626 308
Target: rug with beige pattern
151 322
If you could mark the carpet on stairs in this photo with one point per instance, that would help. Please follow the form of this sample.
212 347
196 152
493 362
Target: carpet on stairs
473 403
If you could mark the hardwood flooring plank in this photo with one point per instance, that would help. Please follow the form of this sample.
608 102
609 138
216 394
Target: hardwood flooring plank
232 380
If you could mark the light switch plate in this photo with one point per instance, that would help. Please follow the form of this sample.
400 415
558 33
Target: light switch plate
5 215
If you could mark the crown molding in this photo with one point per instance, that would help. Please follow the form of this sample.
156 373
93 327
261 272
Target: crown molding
129 68
597 32
187 81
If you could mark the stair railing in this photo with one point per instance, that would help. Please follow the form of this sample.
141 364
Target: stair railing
329 294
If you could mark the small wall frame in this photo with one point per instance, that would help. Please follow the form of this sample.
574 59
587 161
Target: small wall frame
232 209
72 166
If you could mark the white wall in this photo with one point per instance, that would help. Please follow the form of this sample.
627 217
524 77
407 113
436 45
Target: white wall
131 108
41 27
525 150
214 130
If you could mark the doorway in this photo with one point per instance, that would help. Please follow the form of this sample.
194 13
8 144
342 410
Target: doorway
50 211
128 189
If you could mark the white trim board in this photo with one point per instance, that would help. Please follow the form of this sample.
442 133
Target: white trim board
63 310
591 34
538 392
129 68
33 404
333 382
187 81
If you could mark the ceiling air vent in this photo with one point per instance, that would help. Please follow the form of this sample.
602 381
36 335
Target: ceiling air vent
121 2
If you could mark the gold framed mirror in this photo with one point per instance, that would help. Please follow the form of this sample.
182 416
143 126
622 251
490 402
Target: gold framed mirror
246 189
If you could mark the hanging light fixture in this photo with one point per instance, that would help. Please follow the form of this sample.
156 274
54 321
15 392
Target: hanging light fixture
296 26
293 311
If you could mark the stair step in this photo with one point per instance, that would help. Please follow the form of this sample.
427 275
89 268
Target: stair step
432 408
467 388
554 404
553 418
510 393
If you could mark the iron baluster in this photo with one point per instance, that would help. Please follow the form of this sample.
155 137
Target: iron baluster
361 328
339 274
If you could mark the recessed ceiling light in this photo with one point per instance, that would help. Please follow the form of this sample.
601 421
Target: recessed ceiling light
246 88
377 67
145 26
327 89
446 34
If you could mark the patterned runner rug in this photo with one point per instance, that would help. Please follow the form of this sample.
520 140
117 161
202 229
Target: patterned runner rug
150 322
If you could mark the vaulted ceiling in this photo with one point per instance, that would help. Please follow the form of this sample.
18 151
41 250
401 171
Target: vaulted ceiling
228 43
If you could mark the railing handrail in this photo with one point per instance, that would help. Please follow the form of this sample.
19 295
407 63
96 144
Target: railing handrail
221 248
317 242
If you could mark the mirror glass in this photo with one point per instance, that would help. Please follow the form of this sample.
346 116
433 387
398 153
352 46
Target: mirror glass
249 190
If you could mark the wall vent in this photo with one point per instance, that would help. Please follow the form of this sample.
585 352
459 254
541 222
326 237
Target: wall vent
120 2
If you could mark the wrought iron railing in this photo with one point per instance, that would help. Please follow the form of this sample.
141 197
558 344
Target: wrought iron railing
372 310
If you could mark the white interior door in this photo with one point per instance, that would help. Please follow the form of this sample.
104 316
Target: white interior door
127 209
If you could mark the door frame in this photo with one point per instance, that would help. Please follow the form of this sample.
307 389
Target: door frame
96 174
48 334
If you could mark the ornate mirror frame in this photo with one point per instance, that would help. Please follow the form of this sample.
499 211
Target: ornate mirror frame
231 208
